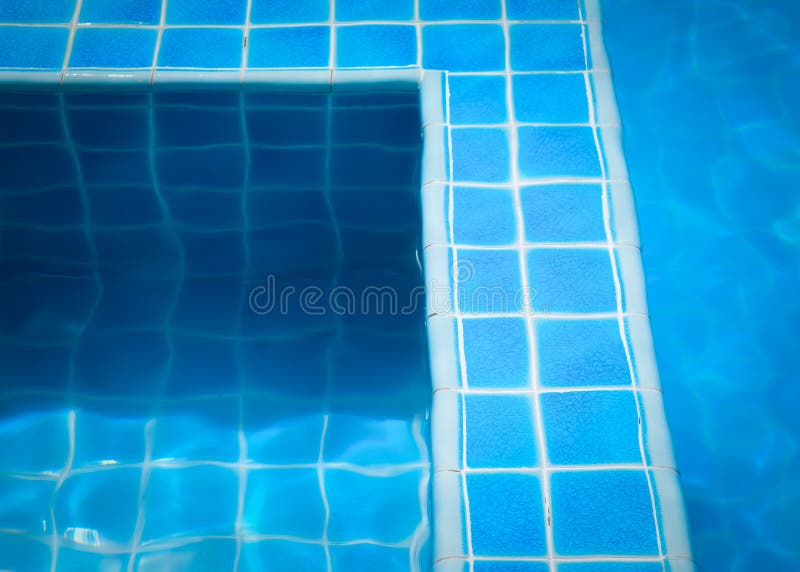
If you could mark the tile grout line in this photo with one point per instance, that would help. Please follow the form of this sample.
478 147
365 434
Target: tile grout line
533 358
244 299
418 33
73 26
62 476
462 359
145 477
321 468
422 532
618 290
98 282
162 24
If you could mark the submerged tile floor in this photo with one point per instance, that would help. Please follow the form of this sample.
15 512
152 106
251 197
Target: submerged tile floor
550 450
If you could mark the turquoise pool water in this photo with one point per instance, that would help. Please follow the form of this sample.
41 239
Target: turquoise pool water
708 96
180 389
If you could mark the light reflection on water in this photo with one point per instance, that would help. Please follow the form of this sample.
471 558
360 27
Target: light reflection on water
707 94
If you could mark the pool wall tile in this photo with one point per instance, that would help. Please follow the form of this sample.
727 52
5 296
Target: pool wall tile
32 47
110 48
369 46
538 391
147 12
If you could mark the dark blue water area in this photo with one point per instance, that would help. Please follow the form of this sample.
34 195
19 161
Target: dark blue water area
708 94
212 319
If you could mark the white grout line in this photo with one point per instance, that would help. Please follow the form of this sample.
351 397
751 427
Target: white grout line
62 476
73 26
618 294
162 23
418 32
421 534
529 323
241 471
323 492
136 541
462 359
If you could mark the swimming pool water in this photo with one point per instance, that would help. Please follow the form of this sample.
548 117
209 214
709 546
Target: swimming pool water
187 317
708 98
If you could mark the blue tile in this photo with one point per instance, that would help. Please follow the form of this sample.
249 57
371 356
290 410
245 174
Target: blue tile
205 208
357 502
489 281
379 441
374 166
128 363
289 167
547 47
28 366
60 172
64 312
610 567
208 126
57 207
290 361
284 502
20 553
385 46
101 438
201 48
74 560
118 488
24 503
281 434
137 253
563 213
124 206
109 127
219 298
550 98
602 512
29 47
113 48
304 46
214 554
102 167
120 12
32 126
506 515
463 47
216 12
478 99
398 127
370 557
199 366
463 10
282 555
288 11
375 10
506 566
557 152
220 168
591 427
171 506
581 353
281 126
541 10
483 216
571 280
198 429
500 431
37 11
481 155
496 353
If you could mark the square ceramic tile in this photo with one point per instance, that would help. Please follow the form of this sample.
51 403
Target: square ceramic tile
547 47
563 213
201 47
302 46
120 12
496 353
500 431
32 47
481 155
477 99
552 152
463 47
363 46
550 98
484 216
